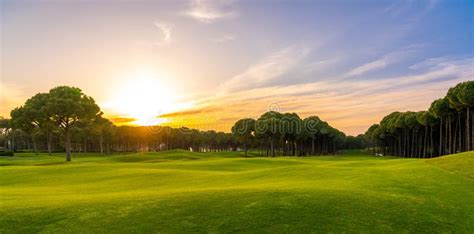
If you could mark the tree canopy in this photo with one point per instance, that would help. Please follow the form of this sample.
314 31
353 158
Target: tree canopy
65 119
445 128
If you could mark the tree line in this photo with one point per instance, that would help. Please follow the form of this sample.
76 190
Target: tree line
289 135
65 119
445 128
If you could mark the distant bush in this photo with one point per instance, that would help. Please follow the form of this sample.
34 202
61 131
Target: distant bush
6 153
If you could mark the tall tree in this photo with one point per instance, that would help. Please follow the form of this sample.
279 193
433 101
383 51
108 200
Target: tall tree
311 126
244 131
291 131
440 109
22 119
101 127
466 97
34 117
268 126
373 138
455 104
5 128
427 120
68 107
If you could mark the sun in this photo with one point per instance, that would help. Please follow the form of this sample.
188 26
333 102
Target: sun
144 96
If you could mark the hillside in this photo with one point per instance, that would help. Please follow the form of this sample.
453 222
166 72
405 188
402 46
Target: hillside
462 163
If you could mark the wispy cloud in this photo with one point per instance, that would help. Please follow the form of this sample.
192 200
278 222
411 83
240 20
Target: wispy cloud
222 39
374 65
267 69
382 62
319 65
196 111
208 11
165 29
441 62
404 6
350 105
122 120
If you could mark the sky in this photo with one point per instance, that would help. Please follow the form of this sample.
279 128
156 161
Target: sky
205 64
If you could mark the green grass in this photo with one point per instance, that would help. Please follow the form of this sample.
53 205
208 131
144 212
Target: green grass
180 191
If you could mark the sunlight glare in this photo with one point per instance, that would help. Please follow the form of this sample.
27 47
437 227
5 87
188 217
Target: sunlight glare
144 96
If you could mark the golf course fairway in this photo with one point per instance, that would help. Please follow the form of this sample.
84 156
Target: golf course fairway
181 191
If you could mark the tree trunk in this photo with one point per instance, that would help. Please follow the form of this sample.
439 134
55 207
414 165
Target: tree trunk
424 142
454 146
5 142
312 146
294 148
13 144
468 138
85 145
432 142
405 144
452 137
245 149
449 137
460 135
101 143
271 148
28 143
34 145
399 146
418 145
67 143
48 139
440 136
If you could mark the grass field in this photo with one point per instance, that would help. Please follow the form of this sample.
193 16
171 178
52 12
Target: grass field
180 191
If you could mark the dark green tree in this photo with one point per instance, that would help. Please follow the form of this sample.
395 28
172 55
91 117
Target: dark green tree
69 107
244 131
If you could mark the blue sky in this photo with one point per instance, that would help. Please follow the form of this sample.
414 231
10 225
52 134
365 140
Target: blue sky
350 62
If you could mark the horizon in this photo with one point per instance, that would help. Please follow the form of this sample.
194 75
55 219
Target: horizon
237 116
214 62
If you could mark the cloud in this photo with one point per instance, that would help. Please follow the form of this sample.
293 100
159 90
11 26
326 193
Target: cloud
440 62
350 105
319 65
222 39
374 65
405 6
397 8
207 11
384 61
122 120
267 69
202 110
166 31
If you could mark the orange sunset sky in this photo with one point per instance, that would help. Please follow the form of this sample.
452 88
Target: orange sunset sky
205 64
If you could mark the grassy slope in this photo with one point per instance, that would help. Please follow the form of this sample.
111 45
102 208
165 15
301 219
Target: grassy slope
180 191
462 163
